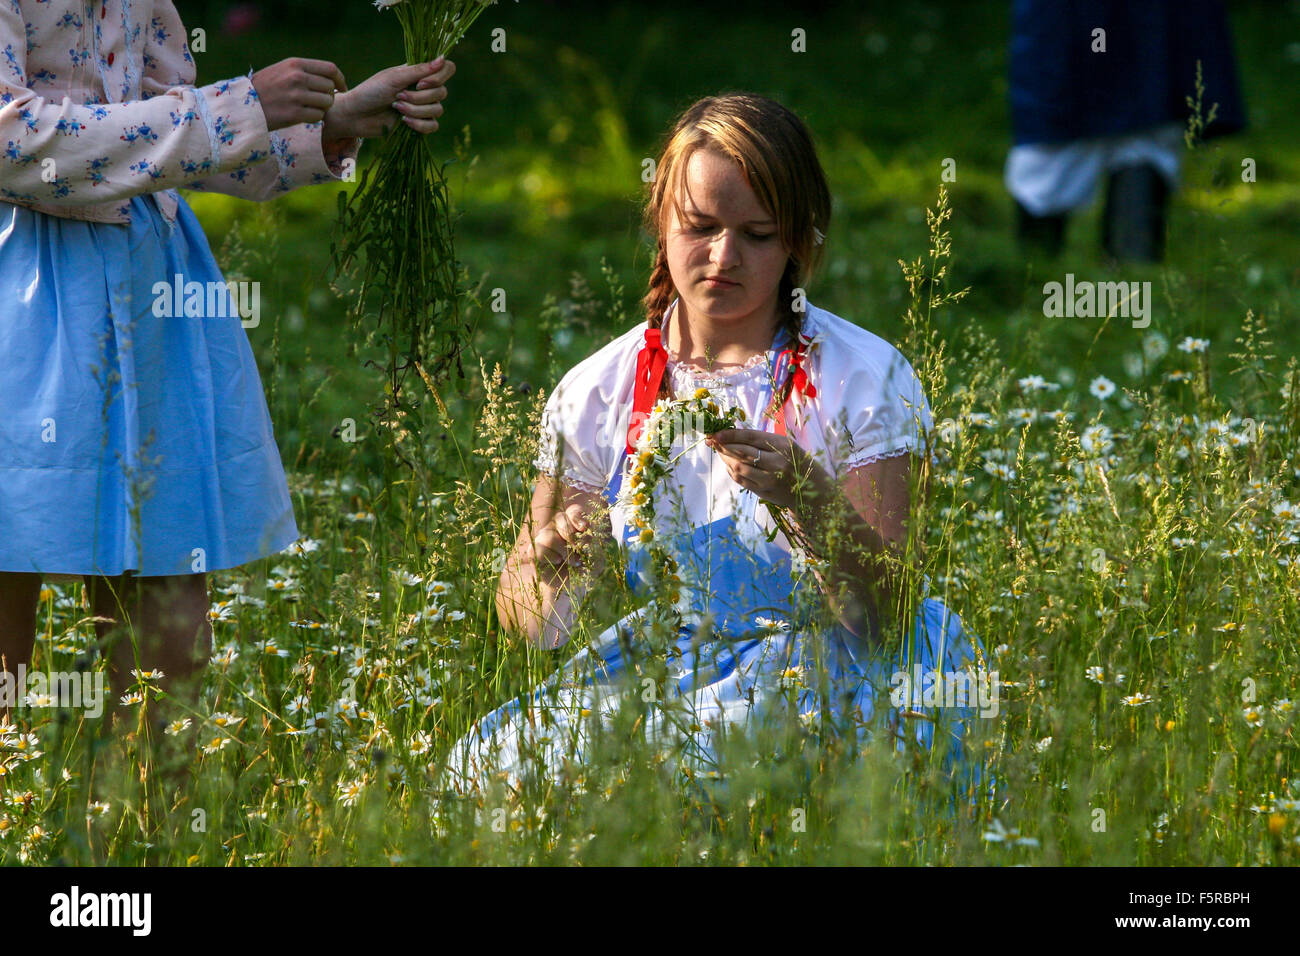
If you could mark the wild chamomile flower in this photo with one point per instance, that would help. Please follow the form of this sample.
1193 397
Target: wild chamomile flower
407 579
346 708
320 722
1285 511
1096 440
226 655
350 791
178 727
149 676
948 430
430 615
1136 700
1155 346
1096 674
1190 345
222 611
1010 836
282 586
1253 716
25 745
304 546
793 676
226 720
1102 387
308 625
216 745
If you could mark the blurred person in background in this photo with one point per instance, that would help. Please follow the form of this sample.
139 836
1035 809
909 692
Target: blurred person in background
1100 87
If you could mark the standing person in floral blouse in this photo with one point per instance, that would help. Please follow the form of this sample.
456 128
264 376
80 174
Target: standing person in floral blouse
135 443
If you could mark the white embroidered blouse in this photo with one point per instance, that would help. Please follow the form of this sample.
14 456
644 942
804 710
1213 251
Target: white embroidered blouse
869 405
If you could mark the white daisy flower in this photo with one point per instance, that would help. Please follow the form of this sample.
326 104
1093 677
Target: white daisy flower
1102 387
1096 440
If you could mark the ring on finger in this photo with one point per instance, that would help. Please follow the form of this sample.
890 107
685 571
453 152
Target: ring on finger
758 457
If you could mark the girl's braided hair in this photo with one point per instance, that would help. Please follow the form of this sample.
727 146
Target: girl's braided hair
777 157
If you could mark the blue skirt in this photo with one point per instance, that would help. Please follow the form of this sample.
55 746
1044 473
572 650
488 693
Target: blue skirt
723 686
129 440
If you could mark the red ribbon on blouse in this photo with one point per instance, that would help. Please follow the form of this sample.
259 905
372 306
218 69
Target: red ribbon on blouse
650 364
800 382
653 359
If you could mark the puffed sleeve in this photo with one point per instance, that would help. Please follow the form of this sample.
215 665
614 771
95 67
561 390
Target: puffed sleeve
579 441
297 157
880 406
118 150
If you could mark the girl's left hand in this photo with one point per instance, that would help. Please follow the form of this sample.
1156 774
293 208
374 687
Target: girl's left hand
376 105
772 466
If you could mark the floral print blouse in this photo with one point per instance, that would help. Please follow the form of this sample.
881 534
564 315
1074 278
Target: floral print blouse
98 104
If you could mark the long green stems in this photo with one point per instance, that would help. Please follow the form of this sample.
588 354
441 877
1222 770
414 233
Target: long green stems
396 234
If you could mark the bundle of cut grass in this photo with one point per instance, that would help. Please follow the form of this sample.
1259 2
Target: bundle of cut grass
395 233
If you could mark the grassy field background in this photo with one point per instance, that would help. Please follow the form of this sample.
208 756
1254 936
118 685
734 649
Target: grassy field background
559 124
1129 560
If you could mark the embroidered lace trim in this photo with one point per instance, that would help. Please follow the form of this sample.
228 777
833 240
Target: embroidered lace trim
730 371
700 372
546 465
857 460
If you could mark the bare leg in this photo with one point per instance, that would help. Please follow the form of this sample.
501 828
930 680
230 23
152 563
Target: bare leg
160 623
18 596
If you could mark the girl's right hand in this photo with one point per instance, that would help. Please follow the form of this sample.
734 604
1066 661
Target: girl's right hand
563 542
297 90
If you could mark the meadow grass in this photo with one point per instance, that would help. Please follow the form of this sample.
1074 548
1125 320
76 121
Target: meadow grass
1130 561
1112 510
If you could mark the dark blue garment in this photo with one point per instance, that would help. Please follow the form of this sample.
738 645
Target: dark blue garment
1060 90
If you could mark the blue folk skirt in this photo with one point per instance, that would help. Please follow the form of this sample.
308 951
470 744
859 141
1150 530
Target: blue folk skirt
132 438
725 686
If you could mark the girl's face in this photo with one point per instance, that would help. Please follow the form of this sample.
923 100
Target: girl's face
726 258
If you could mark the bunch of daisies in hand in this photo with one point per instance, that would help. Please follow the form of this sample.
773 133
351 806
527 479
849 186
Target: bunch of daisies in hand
395 232
652 461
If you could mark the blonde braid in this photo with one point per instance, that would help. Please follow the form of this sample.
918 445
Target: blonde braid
657 300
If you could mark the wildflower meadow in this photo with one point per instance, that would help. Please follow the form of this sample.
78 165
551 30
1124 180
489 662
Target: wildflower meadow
1111 503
